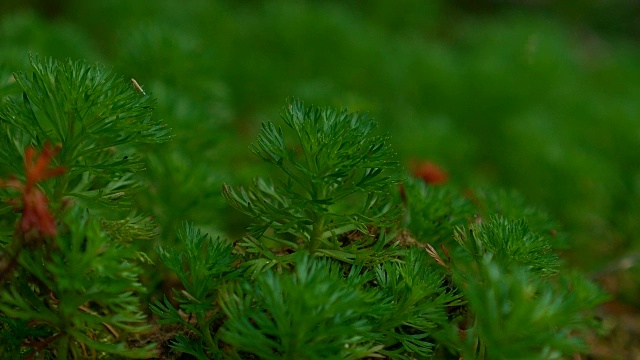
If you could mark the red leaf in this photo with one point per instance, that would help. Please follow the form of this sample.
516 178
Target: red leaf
430 173
35 205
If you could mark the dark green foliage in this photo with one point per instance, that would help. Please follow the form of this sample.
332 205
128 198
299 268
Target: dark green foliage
519 307
14 331
181 189
7 87
202 267
327 270
433 212
521 315
69 276
512 205
75 294
417 301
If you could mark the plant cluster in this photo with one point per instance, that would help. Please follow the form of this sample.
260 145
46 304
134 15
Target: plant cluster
336 263
70 279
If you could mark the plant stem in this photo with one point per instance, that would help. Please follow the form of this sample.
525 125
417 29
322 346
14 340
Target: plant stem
316 234
318 224
63 347
204 328
60 187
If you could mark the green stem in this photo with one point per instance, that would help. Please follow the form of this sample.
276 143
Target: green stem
316 234
204 328
63 347
61 187
317 229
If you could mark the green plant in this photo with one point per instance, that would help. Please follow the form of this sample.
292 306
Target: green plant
338 179
69 272
325 278
201 268
313 312
336 263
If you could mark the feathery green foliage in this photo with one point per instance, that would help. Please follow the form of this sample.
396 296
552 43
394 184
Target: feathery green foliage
202 267
338 180
311 313
95 116
69 273
417 301
509 242
540 97
336 263
409 303
83 291
524 316
434 212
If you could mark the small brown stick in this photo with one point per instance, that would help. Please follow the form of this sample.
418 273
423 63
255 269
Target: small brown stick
137 86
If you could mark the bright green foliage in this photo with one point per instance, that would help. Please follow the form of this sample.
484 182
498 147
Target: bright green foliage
95 116
311 313
202 267
510 243
76 294
523 316
505 94
327 270
338 177
322 310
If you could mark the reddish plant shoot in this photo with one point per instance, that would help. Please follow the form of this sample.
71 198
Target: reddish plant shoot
430 173
35 205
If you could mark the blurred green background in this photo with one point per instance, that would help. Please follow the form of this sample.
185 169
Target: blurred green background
538 96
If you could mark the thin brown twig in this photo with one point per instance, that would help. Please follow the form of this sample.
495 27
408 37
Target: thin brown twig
39 345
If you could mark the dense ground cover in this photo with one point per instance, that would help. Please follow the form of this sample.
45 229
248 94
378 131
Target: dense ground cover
542 100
